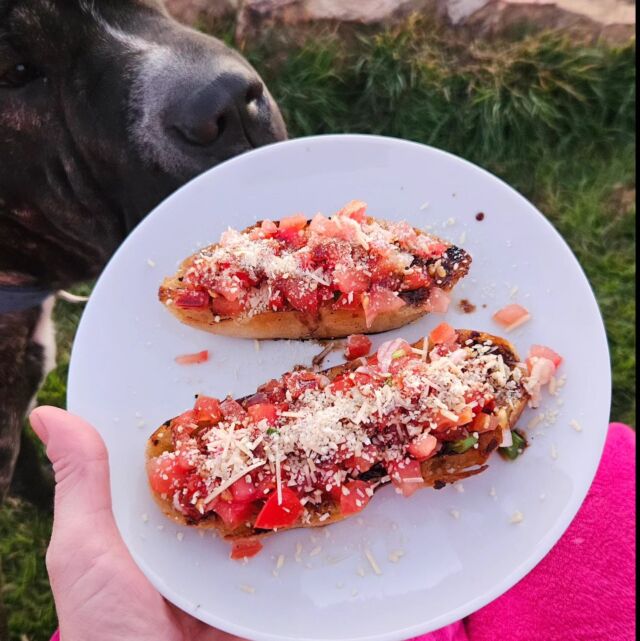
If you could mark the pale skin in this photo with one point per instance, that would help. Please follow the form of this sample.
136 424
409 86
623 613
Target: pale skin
99 591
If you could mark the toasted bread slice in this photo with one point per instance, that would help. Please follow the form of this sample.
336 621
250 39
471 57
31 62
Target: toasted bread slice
444 468
331 319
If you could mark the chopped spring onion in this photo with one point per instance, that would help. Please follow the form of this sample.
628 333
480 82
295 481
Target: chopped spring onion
514 451
460 447
399 353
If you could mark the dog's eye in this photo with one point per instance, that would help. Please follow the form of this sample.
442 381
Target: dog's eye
17 75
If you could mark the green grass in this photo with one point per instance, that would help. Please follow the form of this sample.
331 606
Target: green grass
555 120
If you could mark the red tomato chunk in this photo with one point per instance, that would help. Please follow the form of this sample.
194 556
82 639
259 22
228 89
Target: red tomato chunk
357 346
277 515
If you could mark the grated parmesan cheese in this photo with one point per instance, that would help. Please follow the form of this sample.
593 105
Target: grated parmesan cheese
373 563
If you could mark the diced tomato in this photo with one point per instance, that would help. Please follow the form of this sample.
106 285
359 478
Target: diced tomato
290 231
299 382
326 294
405 233
540 351
263 412
481 423
244 490
385 272
207 410
230 289
296 223
341 384
406 476
301 296
277 300
351 281
245 280
416 279
193 359
336 493
191 300
424 247
305 260
323 226
354 497
185 422
481 401
233 513
274 390
512 316
220 306
356 209
329 253
268 228
423 447
348 302
465 417
245 549
438 301
400 363
165 474
358 463
357 345
256 399
232 411
541 370
278 515
443 422
444 334
266 485
380 301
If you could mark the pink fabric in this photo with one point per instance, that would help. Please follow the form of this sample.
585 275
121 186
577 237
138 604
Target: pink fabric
585 589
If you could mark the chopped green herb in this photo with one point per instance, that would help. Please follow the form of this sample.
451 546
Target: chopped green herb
399 353
272 430
460 447
513 452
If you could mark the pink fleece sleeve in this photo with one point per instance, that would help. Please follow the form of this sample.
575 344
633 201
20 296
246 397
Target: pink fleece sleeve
585 588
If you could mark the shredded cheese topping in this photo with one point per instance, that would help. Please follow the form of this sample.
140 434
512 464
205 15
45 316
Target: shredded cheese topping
261 258
325 424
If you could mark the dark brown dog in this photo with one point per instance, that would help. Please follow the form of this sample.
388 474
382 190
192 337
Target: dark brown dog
105 109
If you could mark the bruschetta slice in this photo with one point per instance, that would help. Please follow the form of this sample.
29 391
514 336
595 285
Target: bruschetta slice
324 278
310 449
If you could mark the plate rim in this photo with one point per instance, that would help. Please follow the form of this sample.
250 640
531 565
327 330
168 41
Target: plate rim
545 544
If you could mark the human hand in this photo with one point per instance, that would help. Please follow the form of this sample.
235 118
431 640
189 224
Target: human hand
99 591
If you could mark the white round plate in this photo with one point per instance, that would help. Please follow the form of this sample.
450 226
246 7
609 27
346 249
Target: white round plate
442 554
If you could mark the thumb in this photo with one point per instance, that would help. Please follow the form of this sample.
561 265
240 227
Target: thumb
80 463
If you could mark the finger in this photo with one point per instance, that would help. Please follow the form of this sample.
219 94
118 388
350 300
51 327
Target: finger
80 463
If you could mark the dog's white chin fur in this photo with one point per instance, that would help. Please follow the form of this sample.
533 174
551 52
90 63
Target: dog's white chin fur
45 336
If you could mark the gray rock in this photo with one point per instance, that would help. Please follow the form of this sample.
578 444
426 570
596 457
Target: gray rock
191 12
612 18
483 16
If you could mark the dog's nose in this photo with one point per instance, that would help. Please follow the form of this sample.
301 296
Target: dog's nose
202 117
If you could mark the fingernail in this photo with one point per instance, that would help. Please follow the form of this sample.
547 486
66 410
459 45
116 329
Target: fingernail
39 426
